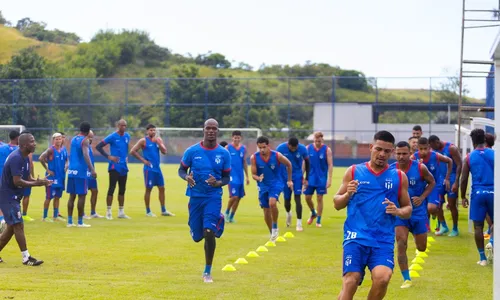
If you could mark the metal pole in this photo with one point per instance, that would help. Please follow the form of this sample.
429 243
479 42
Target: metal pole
14 110
376 104
51 105
459 121
89 107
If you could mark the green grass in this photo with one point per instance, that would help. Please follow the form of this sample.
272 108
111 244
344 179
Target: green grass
155 258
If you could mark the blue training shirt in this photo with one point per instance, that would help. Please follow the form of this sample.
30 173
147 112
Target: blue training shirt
77 166
151 153
444 167
367 223
56 163
271 170
15 165
318 172
296 157
237 163
481 163
5 151
203 162
416 187
118 146
434 165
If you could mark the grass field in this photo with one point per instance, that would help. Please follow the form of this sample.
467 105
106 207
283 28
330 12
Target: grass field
155 258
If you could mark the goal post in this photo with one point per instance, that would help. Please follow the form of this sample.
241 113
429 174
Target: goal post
6 129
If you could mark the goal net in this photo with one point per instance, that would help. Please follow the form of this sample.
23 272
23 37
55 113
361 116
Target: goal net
6 129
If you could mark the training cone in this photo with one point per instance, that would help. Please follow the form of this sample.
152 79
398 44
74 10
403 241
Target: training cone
422 254
416 267
414 274
288 235
262 249
427 250
252 254
281 239
241 261
431 239
270 244
429 245
418 260
229 268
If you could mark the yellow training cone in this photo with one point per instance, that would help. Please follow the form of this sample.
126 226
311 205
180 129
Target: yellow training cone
252 254
422 254
429 245
229 268
427 250
288 235
431 239
262 249
418 260
281 239
416 267
414 274
270 244
241 261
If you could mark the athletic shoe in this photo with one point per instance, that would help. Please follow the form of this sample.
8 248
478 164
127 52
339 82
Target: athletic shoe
406 284
274 235
59 218
453 233
299 227
167 214
207 278
311 219
83 225
1 260
48 220
96 216
109 215
318 225
33 262
70 225
482 263
489 252
123 216
288 219
149 214
28 218
442 231
85 217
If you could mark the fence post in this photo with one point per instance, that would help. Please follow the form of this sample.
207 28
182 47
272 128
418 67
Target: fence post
126 97
14 102
430 105
167 103
248 104
206 99
333 100
289 108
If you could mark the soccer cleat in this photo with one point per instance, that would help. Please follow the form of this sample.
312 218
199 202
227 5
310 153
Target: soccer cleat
48 220
109 216
28 218
406 284
453 233
149 214
167 214
311 219
318 225
207 278
1 260
32 262
299 227
123 216
274 235
488 250
85 217
231 220
442 231
83 225
96 216
482 263
70 225
59 218
288 219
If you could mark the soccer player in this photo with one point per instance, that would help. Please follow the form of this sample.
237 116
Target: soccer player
451 151
16 175
79 165
297 154
413 141
417 131
56 172
206 167
151 146
490 140
420 185
480 163
118 170
92 183
320 175
238 168
27 192
5 151
374 195
265 165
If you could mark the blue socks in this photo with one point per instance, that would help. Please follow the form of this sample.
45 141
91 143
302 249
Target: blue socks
275 225
208 269
148 210
92 212
406 275
80 220
491 240
227 211
163 209
231 216
318 220
313 212
45 212
482 256
56 212
489 230
70 219
455 227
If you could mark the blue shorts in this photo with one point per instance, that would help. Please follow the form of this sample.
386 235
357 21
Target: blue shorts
27 192
414 225
319 190
357 257
205 213
152 179
264 197
236 190
481 202
297 189
449 194
53 192
77 186
434 197
92 183
11 212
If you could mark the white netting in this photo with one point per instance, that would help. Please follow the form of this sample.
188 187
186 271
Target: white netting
6 129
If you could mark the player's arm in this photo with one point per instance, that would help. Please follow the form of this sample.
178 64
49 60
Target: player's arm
102 144
307 165
16 169
431 182
44 158
134 151
405 208
32 166
449 164
184 167
161 145
245 166
346 190
329 160
457 159
464 180
86 157
253 169
282 159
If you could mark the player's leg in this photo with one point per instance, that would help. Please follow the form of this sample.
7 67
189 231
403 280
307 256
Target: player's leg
7 231
309 192
273 206
94 191
443 227
478 210
230 202
452 201
148 182
2 223
211 219
122 186
81 210
380 263
113 180
488 230
71 189
234 207
402 245
287 196
353 269
46 204
319 198
297 196
26 203
264 204
239 192
58 192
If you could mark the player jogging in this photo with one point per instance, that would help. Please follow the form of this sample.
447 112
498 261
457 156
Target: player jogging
239 170
265 165
151 146
16 175
320 175
372 193
297 155
206 167
420 184
480 163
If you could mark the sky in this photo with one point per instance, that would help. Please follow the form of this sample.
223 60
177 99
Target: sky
406 42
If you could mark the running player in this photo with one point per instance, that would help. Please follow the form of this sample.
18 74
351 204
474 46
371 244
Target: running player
209 166
374 196
420 184
451 151
265 165
297 155
239 170
118 169
5 151
79 165
320 175
92 183
480 163
16 175
151 146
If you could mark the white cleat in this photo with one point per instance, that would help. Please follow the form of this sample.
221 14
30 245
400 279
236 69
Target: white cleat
150 214
167 214
318 225
288 219
274 235
70 225
83 225
96 216
123 216
87 217
109 216
489 252
299 228
482 263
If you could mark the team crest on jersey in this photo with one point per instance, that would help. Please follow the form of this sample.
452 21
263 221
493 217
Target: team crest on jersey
432 167
413 181
241 154
298 155
217 159
273 166
388 183
321 156
348 260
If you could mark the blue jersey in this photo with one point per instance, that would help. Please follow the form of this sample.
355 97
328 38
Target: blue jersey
416 187
77 165
296 158
318 172
203 162
92 161
367 222
482 168
237 163
432 163
118 146
15 165
5 151
271 170
56 163
444 167
151 153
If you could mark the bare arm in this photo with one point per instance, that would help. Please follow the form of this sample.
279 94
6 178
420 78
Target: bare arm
44 158
86 156
464 181
307 164
32 166
245 167
282 159
134 151
19 181
404 212
253 167
431 182
161 145
343 195
329 159
457 159
449 163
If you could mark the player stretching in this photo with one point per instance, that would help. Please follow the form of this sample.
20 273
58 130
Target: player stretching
238 167
151 147
5 151
432 160
372 193
209 166
320 175
118 170
420 184
265 165
297 154
56 172
79 165
92 183
451 151
16 175
480 163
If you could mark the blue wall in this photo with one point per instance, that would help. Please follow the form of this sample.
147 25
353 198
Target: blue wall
490 96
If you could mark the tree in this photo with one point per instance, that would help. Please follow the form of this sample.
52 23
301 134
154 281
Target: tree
215 60
3 21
